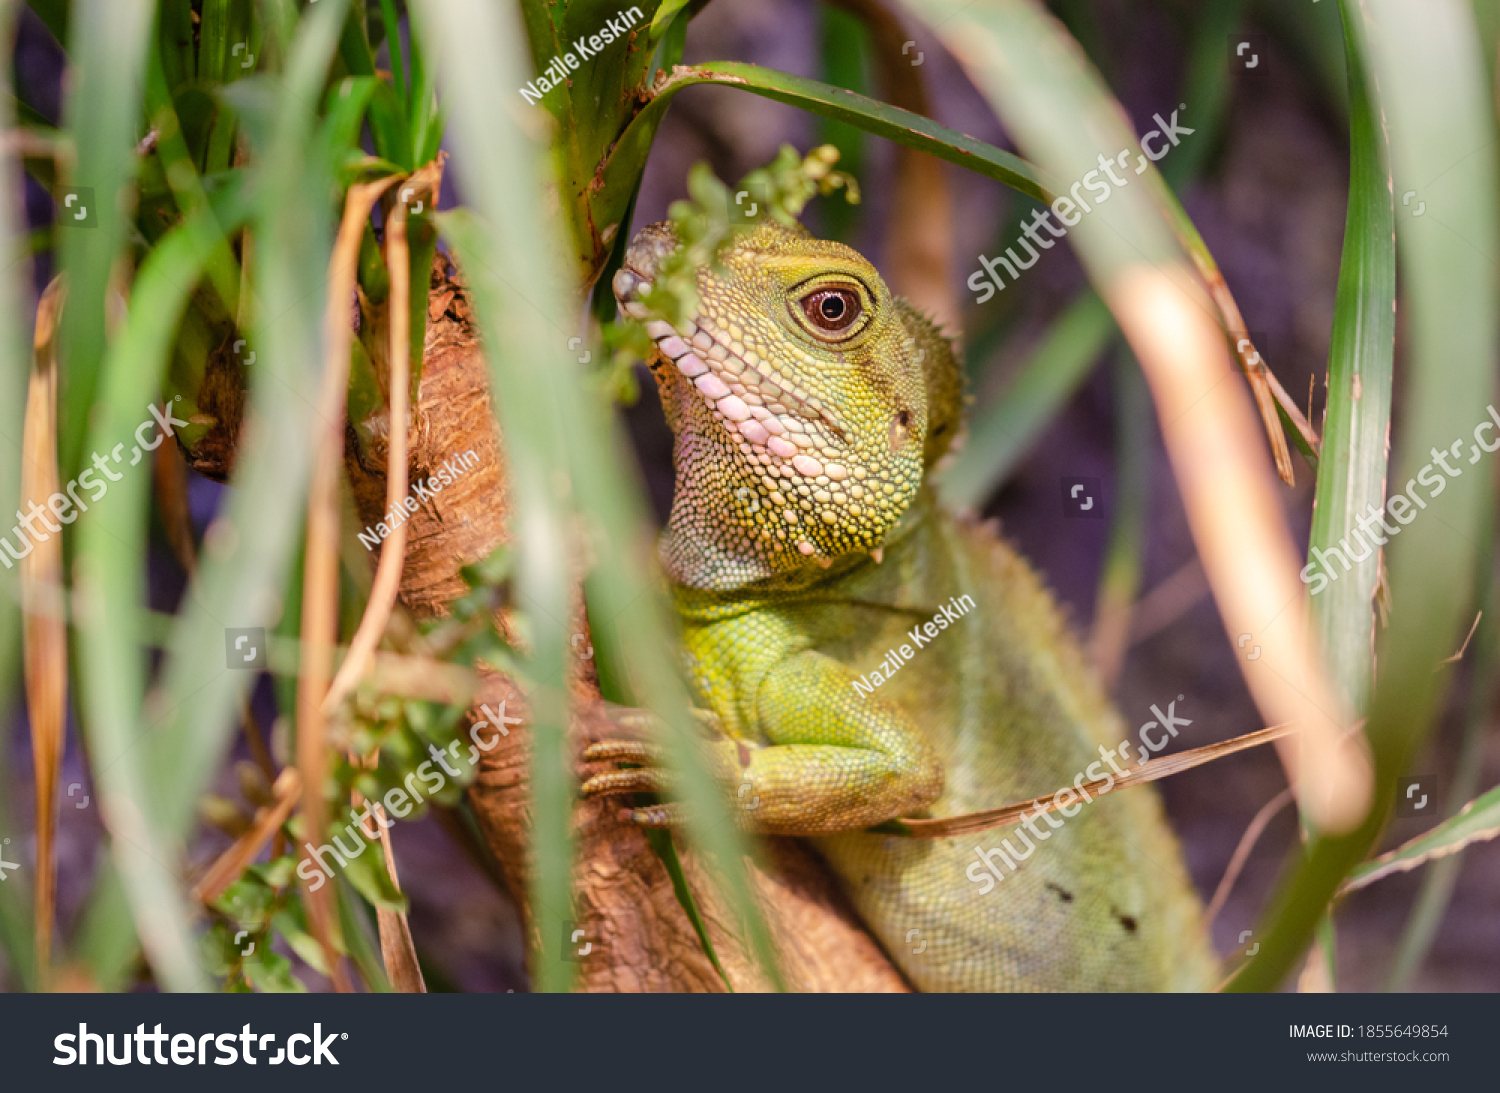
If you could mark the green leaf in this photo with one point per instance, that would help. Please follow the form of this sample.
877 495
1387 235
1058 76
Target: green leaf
1352 471
235 585
392 26
1431 903
247 903
665 14
110 40
591 108
893 123
367 873
1427 78
344 112
360 936
1478 821
276 874
213 41
666 850
111 547
526 314
845 47
271 973
293 927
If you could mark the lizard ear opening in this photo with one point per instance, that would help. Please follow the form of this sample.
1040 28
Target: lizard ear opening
941 376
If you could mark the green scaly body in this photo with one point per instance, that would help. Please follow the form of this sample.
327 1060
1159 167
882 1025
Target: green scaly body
806 550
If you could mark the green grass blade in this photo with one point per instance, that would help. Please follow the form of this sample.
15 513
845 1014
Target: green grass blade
1352 472
844 45
294 234
187 186
534 459
393 39
1476 821
1124 564
354 45
109 45
1432 94
241 576
591 111
1061 117
666 850
1003 431
112 539
361 937
1206 85
213 41
174 41
891 122
426 120
106 939
523 334
547 414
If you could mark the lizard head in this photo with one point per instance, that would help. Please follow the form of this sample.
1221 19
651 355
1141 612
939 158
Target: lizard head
801 398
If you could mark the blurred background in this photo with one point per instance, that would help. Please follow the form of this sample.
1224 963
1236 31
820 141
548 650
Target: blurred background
1264 177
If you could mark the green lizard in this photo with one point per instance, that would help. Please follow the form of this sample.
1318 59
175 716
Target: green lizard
866 656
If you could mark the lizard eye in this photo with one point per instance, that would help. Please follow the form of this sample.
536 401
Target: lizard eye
833 313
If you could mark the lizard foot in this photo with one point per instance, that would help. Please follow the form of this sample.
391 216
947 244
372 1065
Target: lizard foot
642 771
633 780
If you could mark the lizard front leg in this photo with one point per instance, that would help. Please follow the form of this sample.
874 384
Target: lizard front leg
833 760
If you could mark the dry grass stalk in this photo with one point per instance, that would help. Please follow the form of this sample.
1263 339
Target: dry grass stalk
1242 537
45 635
1152 770
1241 854
396 946
427 182
320 574
228 866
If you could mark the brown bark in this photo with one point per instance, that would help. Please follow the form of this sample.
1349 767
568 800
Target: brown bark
641 938
451 417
